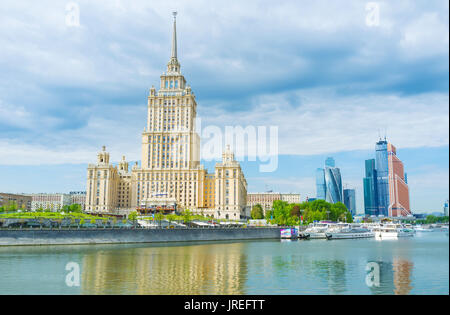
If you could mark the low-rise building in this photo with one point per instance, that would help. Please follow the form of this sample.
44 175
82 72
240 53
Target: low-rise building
291 198
266 199
53 202
22 202
78 197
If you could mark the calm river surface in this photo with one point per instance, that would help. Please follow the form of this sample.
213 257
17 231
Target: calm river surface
418 265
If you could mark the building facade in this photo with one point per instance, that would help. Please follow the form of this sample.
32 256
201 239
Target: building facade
170 177
266 199
22 202
290 198
386 190
78 197
52 202
329 182
350 200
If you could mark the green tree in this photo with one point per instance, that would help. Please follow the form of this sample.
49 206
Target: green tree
171 217
257 212
159 217
281 213
133 216
187 216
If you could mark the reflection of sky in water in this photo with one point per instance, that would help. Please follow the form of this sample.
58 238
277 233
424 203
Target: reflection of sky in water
418 265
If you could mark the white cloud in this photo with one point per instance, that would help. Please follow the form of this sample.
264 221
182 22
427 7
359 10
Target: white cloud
319 122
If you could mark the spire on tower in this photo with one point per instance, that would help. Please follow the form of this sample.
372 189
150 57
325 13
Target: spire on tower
174 36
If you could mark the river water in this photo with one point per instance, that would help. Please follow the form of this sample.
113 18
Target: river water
417 265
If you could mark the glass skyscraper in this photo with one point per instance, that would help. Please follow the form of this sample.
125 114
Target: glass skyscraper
320 184
382 166
350 200
370 189
329 182
385 184
330 162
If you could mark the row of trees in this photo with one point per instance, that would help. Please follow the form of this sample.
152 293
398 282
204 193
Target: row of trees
284 213
432 219
9 207
12 206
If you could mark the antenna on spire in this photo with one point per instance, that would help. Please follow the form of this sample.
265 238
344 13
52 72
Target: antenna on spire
174 35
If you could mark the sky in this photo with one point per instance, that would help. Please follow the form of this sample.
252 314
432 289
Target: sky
332 77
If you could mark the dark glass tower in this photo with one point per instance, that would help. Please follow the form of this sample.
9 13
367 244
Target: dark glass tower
370 189
320 184
350 200
382 167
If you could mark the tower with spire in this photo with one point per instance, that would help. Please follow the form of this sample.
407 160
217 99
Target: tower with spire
170 176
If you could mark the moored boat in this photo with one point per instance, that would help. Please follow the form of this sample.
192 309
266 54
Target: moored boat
315 231
389 231
350 232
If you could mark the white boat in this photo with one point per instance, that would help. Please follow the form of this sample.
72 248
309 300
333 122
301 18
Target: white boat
315 231
392 231
349 232
421 228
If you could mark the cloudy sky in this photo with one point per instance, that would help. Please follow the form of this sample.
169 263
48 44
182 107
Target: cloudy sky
329 74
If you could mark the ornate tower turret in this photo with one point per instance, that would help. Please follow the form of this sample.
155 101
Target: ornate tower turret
103 157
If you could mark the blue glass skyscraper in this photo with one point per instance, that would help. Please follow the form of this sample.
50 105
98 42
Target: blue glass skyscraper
382 167
350 200
330 162
370 189
329 182
320 184
333 183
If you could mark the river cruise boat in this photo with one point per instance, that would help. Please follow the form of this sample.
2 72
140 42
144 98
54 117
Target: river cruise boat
315 231
349 232
421 228
389 231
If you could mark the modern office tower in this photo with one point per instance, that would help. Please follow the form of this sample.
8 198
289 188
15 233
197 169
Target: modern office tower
329 182
386 190
333 182
330 162
398 188
370 189
350 200
446 208
321 187
382 166
170 177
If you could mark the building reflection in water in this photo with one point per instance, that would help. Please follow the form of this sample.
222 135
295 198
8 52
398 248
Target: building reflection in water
332 271
196 269
402 276
395 277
